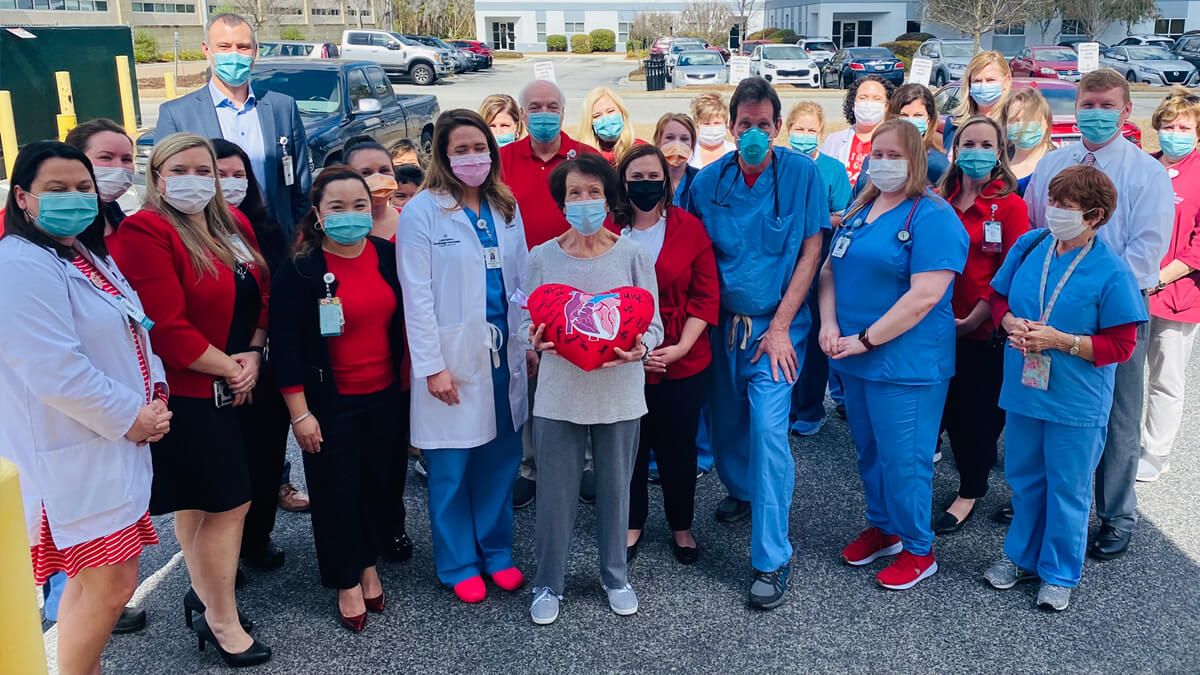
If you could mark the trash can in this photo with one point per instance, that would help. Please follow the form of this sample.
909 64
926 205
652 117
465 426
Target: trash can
656 72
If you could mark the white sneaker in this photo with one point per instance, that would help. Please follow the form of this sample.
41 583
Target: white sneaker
1147 471
623 601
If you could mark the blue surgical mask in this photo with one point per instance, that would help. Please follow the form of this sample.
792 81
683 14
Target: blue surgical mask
505 138
545 126
1026 136
805 143
609 127
1098 124
920 123
348 227
66 214
1176 144
587 217
977 163
986 93
232 67
753 145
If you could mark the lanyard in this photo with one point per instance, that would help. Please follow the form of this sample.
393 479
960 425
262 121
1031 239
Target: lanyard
1047 308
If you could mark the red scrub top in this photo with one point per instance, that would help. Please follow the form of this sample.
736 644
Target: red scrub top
1180 300
529 179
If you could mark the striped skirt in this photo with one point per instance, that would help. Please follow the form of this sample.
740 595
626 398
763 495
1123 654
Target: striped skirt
118 547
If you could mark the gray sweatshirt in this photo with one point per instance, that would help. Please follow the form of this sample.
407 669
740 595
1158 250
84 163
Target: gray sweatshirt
566 392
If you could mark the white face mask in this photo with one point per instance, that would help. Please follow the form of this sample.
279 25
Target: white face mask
889 175
234 190
189 194
1064 224
868 112
712 135
112 182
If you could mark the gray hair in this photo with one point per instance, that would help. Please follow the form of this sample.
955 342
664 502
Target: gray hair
233 21
562 99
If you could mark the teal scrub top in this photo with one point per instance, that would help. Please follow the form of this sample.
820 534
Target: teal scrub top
876 270
837 183
1101 293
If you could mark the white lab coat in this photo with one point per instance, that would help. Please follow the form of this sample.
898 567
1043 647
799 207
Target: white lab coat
837 145
70 388
442 273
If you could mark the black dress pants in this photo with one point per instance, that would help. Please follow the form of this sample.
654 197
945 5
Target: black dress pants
397 477
265 425
972 417
669 428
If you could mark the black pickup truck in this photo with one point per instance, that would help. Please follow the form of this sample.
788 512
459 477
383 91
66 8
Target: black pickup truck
338 99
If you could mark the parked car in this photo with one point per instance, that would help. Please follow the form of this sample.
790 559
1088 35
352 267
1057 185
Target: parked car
313 50
1059 94
465 58
785 64
338 99
700 66
1188 49
1152 65
1060 63
950 58
1164 41
720 50
1075 40
399 56
820 49
748 46
848 65
678 46
476 47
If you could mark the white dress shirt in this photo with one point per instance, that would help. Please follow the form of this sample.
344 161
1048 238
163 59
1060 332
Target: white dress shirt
1140 228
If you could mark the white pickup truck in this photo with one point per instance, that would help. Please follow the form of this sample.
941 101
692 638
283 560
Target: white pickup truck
399 56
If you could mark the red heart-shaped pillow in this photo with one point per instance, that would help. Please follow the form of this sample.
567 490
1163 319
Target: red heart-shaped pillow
586 327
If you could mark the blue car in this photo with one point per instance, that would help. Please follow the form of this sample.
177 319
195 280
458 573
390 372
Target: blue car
849 64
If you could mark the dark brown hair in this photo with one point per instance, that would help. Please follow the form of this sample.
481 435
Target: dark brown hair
309 236
624 215
25 171
441 178
953 178
588 164
82 134
1086 186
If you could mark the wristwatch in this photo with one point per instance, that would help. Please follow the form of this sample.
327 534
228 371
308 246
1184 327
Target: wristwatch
1075 346
862 337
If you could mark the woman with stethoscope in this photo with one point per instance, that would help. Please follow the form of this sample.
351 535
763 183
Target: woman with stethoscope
904 245
461 258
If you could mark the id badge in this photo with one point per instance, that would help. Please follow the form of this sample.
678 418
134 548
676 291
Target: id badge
840 246
222 394
1035 371
331 316
491 257
138 316
289 175
992 238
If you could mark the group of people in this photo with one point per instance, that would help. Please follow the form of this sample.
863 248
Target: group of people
974 281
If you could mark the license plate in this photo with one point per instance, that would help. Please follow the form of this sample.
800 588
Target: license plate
1069 78
880 67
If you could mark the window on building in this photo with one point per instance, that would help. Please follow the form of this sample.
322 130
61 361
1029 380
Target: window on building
1018 29
1172 27
541 31
913 27
1072 27
573 27
57 5
321 11
865 33
623 31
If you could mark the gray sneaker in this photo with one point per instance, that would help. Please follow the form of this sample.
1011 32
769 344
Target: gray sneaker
544 610
622 600
1053 597
1006 574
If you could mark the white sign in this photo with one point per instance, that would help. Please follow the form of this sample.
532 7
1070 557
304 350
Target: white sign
920 71
544 70
1089 57
739 68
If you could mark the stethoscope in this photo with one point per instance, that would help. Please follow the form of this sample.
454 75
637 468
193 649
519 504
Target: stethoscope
735 164
903 236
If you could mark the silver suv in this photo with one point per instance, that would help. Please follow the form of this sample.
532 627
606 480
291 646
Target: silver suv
399 56
950 58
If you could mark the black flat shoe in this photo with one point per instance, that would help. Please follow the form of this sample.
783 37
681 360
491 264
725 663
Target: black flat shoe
631 551
258 653
1004 515
132 620
398 548
265 557
946 523
686 555
1111 542
192 605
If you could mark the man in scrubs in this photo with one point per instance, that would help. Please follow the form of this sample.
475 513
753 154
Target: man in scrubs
763 207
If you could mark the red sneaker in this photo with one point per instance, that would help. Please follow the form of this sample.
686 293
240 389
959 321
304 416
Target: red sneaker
872 543
906 570
510 579
471 590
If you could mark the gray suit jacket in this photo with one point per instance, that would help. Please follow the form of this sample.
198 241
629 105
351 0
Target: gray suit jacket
279 117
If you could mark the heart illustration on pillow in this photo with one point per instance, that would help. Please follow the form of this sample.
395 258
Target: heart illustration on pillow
586 327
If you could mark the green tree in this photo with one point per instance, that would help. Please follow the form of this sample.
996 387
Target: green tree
291 33
603 40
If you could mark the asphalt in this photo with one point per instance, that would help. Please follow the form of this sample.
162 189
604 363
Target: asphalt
1134 614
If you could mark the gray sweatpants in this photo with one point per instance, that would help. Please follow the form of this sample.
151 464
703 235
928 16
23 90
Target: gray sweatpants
560 459
528 454
1116 476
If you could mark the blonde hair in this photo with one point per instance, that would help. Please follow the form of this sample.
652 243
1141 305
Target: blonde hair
588 135
1179 103
967 106
952 180
1034 107
914 147
502 103
806 108
215 240
707 106
674 117
441 178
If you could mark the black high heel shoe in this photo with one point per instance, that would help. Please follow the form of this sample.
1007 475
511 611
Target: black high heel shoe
258 653
192 605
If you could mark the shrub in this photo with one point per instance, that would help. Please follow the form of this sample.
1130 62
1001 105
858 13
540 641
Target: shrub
915 37
145 47
905 48
773 34
792 39
556 43
781 34
291 33
507 55
603 40
581 44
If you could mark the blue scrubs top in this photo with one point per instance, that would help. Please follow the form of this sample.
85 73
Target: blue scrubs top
756 247
837 184
1101 293
683 190
1023 183
497 302
876 270
936 166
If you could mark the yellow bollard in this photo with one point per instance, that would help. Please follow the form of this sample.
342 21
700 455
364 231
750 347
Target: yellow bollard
129 119
8 132
24 650
66 104
169 82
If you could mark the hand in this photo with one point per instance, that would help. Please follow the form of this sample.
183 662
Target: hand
245 380
1010 323
308 434
849 346
243 399
442 387
531 363
777 344
1038 337
535 338
152 422
828 338
664 356
630 356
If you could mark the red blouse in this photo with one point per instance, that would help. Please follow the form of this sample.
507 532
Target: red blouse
361 357
1180 300
974 284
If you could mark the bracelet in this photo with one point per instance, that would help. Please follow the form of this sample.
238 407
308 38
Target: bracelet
866 342
1075 346
257 350
302 418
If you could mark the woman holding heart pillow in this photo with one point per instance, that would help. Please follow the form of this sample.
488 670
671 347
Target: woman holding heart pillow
573 406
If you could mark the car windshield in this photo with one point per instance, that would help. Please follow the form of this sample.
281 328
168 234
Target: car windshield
788 53
1149 54
870 54
820 46
405 41
316 92
1055 54
686 46
963 50
705 58
1061 100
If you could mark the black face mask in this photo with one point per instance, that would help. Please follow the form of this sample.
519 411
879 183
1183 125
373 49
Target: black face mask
645 194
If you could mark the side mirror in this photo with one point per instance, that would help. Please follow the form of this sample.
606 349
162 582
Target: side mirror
367 106
393 45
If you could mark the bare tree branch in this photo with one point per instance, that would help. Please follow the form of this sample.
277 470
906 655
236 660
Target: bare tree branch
980 17
707 19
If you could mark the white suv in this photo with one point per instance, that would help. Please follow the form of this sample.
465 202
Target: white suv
784 64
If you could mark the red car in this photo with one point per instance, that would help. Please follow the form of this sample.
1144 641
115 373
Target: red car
1060 95
1057 62
720 50
475 46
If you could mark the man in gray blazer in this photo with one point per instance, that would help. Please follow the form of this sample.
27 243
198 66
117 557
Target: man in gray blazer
268 128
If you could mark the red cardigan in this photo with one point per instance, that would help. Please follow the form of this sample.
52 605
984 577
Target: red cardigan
687 287
189 311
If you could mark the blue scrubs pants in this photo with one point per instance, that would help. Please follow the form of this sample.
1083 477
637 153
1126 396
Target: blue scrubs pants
1049 467
704 453
750 436
895 428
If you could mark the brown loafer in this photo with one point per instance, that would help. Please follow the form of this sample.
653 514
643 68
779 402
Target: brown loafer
292 499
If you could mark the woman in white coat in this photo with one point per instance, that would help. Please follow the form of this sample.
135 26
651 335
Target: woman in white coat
461 257
81 394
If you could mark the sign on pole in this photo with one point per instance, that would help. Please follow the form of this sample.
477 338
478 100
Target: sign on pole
739 68
920 71
544 70
1089 57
